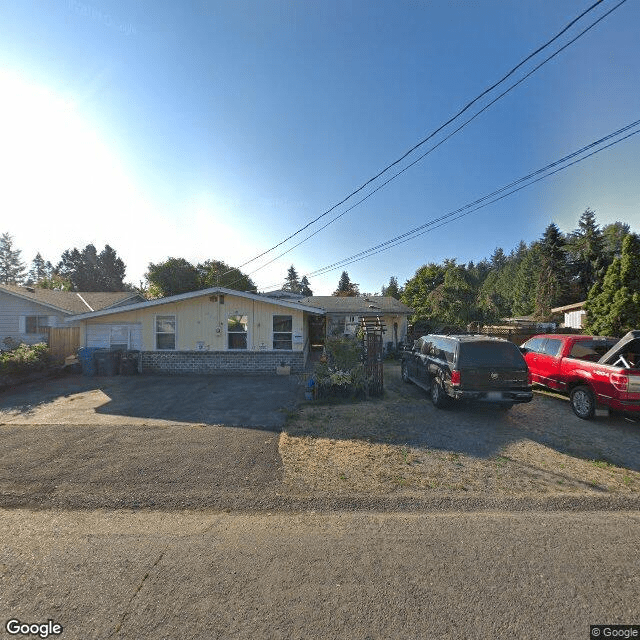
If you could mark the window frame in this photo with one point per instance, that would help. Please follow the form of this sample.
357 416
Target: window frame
281 333
39 327
244 333
174 333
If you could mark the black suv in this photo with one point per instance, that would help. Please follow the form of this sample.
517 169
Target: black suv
468 367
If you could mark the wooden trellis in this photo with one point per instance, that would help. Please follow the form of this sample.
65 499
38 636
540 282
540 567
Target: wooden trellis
372 329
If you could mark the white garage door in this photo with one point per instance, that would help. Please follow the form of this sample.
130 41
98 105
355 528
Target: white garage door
115 336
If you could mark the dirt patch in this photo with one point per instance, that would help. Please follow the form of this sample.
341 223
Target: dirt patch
402 444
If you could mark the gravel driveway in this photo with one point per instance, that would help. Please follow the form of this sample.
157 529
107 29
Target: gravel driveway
176 443
152 441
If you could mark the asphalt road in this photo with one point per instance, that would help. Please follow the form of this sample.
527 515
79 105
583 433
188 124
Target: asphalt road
206 576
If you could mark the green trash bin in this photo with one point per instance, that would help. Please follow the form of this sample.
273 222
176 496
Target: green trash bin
129 363
107 362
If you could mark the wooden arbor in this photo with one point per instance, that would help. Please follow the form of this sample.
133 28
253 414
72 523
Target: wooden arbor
372 329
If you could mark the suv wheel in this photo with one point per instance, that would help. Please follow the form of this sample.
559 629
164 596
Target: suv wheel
438 395
404 373
582 402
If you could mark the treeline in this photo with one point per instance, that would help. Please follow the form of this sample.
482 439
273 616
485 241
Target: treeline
556 270
77 270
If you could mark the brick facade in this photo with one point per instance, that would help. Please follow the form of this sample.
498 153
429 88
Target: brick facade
219 362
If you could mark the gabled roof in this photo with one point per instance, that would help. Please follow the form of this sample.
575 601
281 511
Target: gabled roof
72 302
570 307
197 294
360 304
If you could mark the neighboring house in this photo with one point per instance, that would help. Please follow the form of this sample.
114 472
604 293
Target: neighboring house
343 315
208 331
574 314
26 313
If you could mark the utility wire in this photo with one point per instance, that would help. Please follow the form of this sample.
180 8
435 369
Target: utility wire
436 131
485 200
464 124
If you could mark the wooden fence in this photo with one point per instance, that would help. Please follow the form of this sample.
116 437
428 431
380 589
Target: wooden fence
516 334
63 341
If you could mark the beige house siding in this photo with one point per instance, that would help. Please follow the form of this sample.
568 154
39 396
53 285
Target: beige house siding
201 323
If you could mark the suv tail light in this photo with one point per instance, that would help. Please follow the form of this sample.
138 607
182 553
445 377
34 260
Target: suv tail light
619 381
455 378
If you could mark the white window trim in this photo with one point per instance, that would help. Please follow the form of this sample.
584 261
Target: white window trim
273 333
233 315
155 330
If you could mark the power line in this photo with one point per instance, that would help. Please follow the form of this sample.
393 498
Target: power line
396 175
485 200
436 131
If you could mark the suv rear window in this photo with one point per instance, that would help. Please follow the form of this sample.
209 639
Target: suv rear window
490 354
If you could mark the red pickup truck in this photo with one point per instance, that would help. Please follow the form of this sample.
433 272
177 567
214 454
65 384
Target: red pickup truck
594 371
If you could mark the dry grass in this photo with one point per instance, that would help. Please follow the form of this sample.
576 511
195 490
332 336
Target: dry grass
362 448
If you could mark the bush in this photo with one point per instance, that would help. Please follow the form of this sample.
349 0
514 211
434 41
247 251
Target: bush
343 374
25 358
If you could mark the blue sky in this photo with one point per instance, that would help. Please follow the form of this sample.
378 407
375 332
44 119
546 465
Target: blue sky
216 129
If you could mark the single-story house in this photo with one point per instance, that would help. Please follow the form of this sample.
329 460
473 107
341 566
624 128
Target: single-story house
343 315
208 331
574 314
26 313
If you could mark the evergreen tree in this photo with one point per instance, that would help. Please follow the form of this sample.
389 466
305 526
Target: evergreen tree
88 270
392 290
346 288
111 270
292 282
11 266
613 307
585 248
40 270
613 235
305 288
552 272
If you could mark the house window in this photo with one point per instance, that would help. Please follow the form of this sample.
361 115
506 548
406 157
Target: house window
165 332
282 331
36 324
237 331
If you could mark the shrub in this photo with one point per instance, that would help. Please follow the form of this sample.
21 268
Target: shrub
24 359
343 374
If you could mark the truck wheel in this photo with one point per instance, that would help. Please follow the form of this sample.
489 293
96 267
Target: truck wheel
582 402
404 373
438 395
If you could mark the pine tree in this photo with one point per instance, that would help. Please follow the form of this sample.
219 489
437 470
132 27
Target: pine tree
346 288
11 266
552 274
305 288
392 290
292 282
40 270
613 307
111 270
586 251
